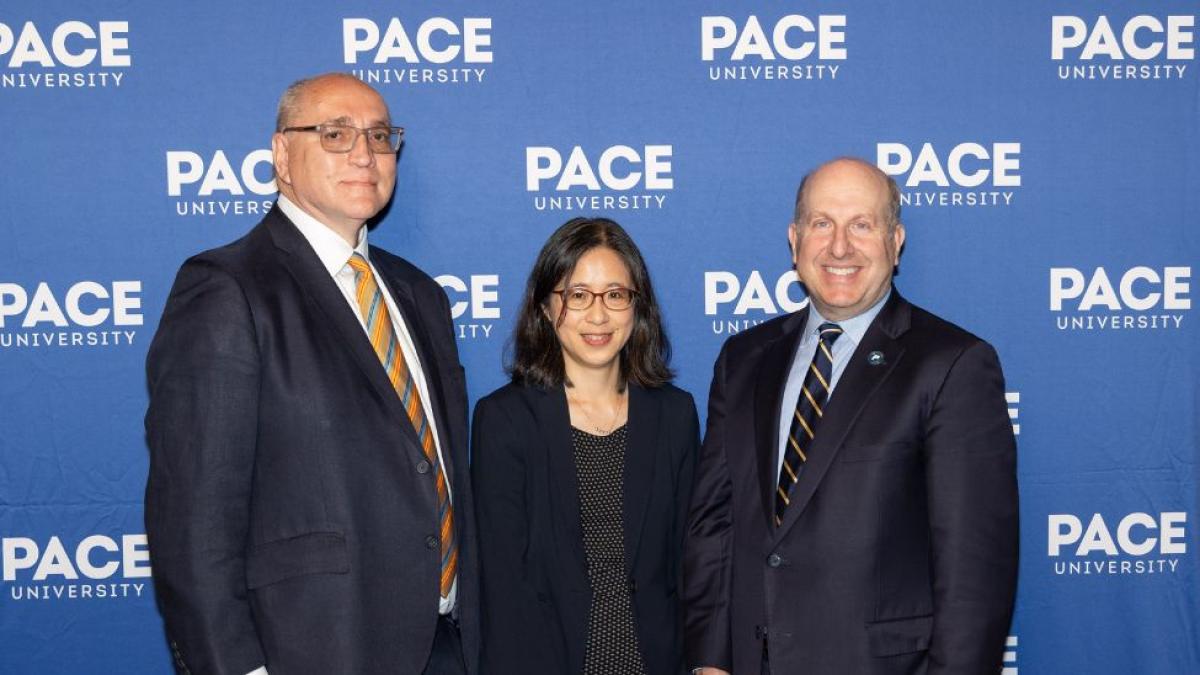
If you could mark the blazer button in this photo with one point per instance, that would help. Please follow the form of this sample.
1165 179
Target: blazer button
422 467
774 560
431 542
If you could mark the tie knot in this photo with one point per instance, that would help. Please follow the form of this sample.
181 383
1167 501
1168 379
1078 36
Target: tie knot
829 332
359 264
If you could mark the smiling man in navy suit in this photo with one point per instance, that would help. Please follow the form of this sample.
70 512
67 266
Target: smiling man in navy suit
855 507
309 503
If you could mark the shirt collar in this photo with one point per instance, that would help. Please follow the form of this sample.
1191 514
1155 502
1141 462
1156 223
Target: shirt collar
855 327
333 251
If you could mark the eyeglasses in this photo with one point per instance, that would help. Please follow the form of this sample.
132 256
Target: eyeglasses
341 137
578 298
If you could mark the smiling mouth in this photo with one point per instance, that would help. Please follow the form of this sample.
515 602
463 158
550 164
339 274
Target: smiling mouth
596 339
840 271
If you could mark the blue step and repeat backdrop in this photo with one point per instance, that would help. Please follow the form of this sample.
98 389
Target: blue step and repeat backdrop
1049 156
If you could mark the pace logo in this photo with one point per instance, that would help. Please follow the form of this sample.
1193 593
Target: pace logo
1144 47
791 47
84 314
72 54
964 174
1137 298
1135 543
214 183
433 51
474 303
96 567
739 301
625 177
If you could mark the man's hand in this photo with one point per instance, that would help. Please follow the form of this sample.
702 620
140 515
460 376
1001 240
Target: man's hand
710 671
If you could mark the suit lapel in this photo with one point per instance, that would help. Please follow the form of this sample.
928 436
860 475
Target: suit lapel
641 450
771 379
306 268
855 388
554 422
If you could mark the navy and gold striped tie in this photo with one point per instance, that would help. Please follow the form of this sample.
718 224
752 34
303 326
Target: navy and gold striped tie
807 415
379 329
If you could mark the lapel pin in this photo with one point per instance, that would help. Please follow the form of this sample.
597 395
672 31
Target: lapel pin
876 359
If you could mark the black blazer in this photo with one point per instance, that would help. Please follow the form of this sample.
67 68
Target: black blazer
898 552
289 505
536 594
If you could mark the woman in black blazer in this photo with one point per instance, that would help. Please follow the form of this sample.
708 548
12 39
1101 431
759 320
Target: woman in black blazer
582 468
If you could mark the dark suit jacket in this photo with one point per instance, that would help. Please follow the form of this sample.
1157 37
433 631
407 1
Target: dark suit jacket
291 513
536 594
898 552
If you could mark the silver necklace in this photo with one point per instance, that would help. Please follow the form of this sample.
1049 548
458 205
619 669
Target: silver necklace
612 424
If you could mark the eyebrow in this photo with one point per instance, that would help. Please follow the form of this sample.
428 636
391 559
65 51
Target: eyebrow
821 214
611 284
346 120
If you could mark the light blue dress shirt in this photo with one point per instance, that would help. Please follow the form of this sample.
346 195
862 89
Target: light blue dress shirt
853 330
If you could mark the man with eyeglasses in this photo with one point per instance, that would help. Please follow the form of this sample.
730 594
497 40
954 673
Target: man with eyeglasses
308 504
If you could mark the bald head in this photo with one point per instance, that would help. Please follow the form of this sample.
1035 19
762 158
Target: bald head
297 97
887 184
846 238
340 188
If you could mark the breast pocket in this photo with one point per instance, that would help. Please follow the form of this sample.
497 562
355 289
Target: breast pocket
875 452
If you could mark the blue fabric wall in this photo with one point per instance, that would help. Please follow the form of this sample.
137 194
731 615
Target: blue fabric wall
1049 155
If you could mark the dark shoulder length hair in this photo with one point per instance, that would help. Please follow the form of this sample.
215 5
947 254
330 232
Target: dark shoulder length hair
537 358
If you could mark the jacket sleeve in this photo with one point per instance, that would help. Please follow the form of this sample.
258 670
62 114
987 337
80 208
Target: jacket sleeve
201 426
970 471
708 547
513 621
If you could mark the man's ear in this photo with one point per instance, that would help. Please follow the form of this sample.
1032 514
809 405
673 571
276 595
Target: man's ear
898 240
279 158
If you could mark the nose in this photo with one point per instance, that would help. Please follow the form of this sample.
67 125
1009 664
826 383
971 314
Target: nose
841 246
597 313
360 154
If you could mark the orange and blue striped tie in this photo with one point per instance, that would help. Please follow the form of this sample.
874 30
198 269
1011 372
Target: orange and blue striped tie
814 392
379 329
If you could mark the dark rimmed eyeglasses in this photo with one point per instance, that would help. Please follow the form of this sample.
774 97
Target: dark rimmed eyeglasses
342 137
616 298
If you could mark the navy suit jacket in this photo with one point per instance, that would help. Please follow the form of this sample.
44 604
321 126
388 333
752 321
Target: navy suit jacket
291 513
898 551
536 594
